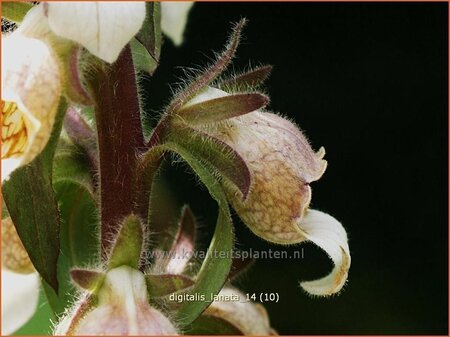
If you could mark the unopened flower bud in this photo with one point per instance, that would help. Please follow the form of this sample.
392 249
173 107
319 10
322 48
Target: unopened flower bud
122 309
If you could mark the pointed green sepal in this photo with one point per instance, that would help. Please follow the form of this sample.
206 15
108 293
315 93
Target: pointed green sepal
204 79
198 84
127 248
222 108
142 59
216 265
146 46
249 79
150 34
219 156
166 284
90 280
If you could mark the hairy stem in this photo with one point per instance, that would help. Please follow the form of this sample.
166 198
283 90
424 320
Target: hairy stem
120 141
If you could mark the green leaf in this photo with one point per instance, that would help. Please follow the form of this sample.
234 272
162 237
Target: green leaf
149 38
79 240
220 157
79 237
142 60
71 164
80 222
211 325
163 215
129 243
150 33
222 108
166 284
15 11
32 205
216 266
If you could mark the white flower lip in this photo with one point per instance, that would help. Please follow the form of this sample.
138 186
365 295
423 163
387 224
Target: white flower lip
31 89
327 233
103 28
17 290
20 282
174 17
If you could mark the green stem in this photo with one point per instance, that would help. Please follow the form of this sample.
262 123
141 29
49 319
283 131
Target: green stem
120 142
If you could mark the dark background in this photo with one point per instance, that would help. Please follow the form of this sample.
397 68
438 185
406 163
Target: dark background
368 81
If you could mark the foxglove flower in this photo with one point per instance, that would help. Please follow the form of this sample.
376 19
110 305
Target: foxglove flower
103 28
282 165
174 17
20 282
31 89
122 309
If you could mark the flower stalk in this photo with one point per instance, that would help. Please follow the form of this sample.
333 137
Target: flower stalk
120 141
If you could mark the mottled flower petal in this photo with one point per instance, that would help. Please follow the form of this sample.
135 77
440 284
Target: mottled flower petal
327 233
104 28
174 17
20 295
282 165
14 256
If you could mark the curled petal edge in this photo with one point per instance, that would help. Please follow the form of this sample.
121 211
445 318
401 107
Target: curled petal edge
329 234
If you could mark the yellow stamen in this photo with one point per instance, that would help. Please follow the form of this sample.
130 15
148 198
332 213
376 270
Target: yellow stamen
14 131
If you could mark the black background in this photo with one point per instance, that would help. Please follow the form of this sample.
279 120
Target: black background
368 81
